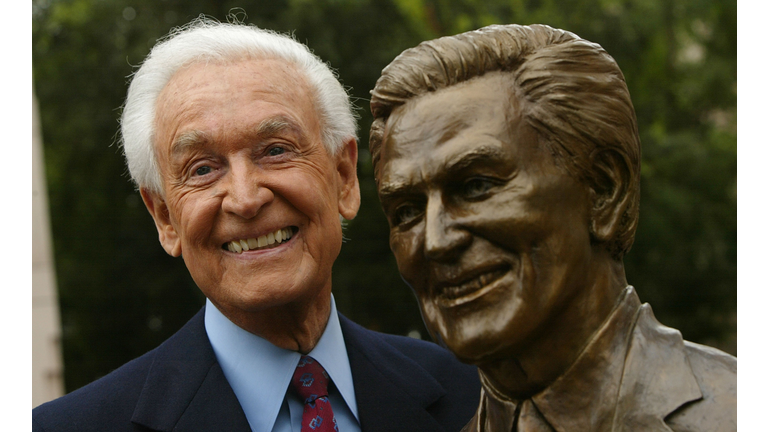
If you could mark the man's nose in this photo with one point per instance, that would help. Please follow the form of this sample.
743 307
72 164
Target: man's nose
445 238
245 195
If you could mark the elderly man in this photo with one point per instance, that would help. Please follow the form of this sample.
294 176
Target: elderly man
507 161
243 146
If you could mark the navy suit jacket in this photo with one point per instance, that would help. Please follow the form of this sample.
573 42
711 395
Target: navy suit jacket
401 384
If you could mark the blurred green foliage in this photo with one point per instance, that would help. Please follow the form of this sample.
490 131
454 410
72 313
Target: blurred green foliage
121 295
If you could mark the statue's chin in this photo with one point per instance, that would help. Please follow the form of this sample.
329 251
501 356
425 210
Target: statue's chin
472 350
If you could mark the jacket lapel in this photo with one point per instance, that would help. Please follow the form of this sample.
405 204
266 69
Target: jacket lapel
657 378
185 387
187 390
393 392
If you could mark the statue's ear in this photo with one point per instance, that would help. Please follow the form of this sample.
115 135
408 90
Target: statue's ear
610 193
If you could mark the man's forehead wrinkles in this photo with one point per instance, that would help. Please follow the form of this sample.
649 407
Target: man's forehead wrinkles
272 126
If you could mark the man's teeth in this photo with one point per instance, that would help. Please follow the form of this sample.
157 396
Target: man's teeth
272 238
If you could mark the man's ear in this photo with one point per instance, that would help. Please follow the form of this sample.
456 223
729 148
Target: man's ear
610 194
157 207
349 187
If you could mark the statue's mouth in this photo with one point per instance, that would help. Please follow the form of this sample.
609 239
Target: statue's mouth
468 286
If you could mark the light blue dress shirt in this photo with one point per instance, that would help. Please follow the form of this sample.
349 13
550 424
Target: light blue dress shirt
260 373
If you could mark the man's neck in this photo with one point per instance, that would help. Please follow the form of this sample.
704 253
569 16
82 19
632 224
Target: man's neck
295 326
554 348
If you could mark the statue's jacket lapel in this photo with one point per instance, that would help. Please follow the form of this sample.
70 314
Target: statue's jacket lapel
657 378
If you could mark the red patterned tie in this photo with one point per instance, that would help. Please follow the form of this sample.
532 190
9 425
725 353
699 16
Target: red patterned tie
311 382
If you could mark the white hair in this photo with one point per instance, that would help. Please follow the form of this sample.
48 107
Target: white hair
205 40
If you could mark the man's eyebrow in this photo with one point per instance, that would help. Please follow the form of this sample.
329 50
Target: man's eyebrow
275 125
266 128
189 140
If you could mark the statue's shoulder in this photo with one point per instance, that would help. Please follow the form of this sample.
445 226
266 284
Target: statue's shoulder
696 383
715 371
711 362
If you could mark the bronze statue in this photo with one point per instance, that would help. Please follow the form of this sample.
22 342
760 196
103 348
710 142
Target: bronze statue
507 161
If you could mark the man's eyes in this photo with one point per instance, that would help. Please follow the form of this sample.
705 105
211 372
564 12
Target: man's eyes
203 170
200 170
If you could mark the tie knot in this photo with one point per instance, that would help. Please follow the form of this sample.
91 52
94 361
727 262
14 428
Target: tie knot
310 380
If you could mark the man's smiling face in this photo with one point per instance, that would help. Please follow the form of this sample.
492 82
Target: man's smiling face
492 236
251 196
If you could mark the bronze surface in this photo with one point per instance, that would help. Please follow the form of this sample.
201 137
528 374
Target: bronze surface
507 162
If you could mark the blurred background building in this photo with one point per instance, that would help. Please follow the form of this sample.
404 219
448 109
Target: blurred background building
47 374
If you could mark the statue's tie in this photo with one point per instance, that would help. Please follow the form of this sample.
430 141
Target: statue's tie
311 383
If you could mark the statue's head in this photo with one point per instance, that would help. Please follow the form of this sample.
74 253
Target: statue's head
507 160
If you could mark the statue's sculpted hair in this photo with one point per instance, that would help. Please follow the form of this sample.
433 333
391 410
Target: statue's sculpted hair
572 93
207 40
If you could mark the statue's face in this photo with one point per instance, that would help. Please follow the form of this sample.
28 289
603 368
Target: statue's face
491 235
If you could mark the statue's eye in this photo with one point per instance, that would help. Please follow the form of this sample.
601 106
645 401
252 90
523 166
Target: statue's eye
276 151
476 187
203 170
406 213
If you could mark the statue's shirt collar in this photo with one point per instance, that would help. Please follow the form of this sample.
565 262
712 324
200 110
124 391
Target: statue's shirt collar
585 396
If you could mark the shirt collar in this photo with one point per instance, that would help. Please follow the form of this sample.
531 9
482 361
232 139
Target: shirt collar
259 372
331 352
585 396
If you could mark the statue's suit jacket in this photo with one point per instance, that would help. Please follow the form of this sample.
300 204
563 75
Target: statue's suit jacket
674 385
401 384
666 384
